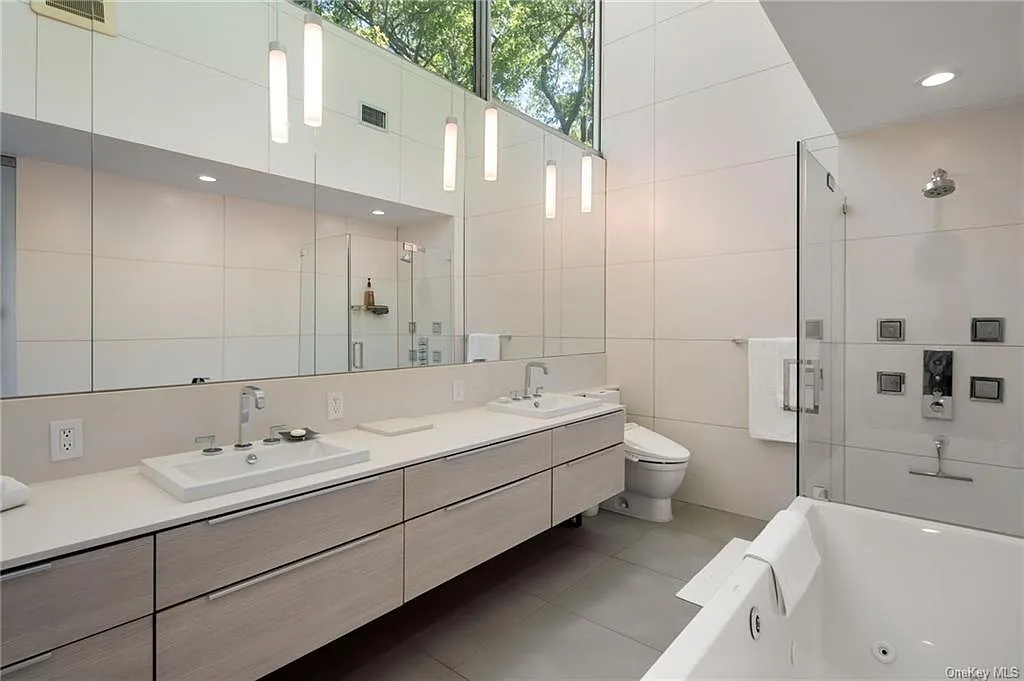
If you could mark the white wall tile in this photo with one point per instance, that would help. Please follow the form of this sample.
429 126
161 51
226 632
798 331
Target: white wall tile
750 119
44 223
623 17
53 292
937 282
729 296
64 75
148 300
746 208
332 353
263 357
692 54
265 236
553 309
50 368
628 73
297 159
377 81
628 145
731 471
332 306
702 381
526 347
630 224
362 160
421 178
665 9
147 221
520 180
19 59
630 300
506 303
144 363
426 103
583 234
332 255
506 242
631 367
582 311
261 302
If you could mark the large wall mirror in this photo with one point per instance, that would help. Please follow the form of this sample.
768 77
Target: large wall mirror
153 234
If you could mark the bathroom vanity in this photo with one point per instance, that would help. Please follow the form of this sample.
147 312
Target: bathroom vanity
238 585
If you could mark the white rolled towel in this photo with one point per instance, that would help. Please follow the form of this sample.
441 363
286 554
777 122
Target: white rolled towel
787 545
12 493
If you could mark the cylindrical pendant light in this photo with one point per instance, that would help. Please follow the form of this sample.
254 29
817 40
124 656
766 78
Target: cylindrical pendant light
586 182
313 70
491 143
550 189
451 149
277 78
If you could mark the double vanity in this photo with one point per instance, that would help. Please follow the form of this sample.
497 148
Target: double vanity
107 576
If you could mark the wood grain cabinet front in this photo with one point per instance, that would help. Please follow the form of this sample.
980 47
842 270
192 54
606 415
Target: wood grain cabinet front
51 604
446 543
210 554
124 653
586 482
585 437
251 628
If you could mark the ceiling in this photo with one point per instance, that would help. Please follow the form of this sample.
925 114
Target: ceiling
862 60
57 144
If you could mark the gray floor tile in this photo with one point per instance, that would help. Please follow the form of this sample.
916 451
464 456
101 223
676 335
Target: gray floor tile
679 554
607 533
631 600
456 636
554 572
712 523
555 644
405 662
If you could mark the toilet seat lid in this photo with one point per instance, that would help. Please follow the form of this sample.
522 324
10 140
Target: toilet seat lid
649 446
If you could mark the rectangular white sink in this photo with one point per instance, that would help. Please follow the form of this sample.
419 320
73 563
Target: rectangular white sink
193 475
544 407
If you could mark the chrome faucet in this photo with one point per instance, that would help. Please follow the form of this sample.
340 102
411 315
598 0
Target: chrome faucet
249 393
526 380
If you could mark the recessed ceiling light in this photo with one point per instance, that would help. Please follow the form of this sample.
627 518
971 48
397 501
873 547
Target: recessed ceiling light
940 78
377 212
207 178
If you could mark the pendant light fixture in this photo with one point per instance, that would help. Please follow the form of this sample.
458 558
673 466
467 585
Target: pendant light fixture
277 78
550 189
586 182
451 148
491 143
313 70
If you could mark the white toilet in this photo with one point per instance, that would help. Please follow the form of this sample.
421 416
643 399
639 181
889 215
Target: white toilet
655 468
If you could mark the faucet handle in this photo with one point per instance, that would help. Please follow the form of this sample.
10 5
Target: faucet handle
272 437
538 391
514 394
211 447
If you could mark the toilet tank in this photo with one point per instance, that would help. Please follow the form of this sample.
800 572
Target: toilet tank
609 395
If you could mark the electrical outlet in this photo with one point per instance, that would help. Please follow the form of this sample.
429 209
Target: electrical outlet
66 440
335 406
459 390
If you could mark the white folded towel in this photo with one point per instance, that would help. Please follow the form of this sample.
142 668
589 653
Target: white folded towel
12 493
787 545
767 420
483 347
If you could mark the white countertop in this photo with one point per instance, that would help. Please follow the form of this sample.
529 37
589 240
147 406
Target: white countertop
77 513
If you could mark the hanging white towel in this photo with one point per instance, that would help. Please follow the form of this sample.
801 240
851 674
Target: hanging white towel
767 419
483 347
787 545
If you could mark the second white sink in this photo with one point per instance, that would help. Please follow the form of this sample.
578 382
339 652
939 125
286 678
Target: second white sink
544 407
191 476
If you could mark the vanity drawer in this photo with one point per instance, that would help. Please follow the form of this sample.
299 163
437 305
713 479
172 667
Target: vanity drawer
585 437
250 629
209 554
50 604
434 484
580 484
124 653
450 541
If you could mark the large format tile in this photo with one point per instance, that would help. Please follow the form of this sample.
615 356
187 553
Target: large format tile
630 365
607 533
402 663
629 147
628 73
629 224
624 17
557 569
555 644
630 300
632 600
711 523
678 554
702 381
43 224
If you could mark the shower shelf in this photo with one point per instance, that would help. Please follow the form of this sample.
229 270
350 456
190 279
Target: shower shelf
374 309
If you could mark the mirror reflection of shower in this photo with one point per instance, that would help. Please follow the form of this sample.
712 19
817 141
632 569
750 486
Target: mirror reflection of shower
940 185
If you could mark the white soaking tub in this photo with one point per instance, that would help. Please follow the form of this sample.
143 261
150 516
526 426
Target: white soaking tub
894 598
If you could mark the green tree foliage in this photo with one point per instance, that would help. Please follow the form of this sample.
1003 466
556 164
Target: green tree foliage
542 51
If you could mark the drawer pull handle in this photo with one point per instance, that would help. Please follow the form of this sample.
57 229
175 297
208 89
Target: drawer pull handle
483 450
483 496
595 455
31 662
589 422
34 570
286 502
291 568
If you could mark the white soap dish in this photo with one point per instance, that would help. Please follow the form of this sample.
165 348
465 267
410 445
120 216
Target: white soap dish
394 427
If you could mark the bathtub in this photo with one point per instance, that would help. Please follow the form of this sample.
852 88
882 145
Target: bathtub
894 598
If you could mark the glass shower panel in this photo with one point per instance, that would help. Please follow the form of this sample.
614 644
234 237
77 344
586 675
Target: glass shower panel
373 323
817 376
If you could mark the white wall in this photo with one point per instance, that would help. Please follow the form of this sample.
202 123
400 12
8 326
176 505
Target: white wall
936 263
702 108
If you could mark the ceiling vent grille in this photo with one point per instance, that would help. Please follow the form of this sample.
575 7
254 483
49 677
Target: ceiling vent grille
93 15
374 117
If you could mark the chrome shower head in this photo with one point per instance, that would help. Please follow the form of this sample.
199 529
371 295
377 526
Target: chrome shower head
406 257
940 185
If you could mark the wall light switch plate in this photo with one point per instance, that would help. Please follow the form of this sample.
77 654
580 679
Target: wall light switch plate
891 330
987 329
335 406
67 440
459 390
